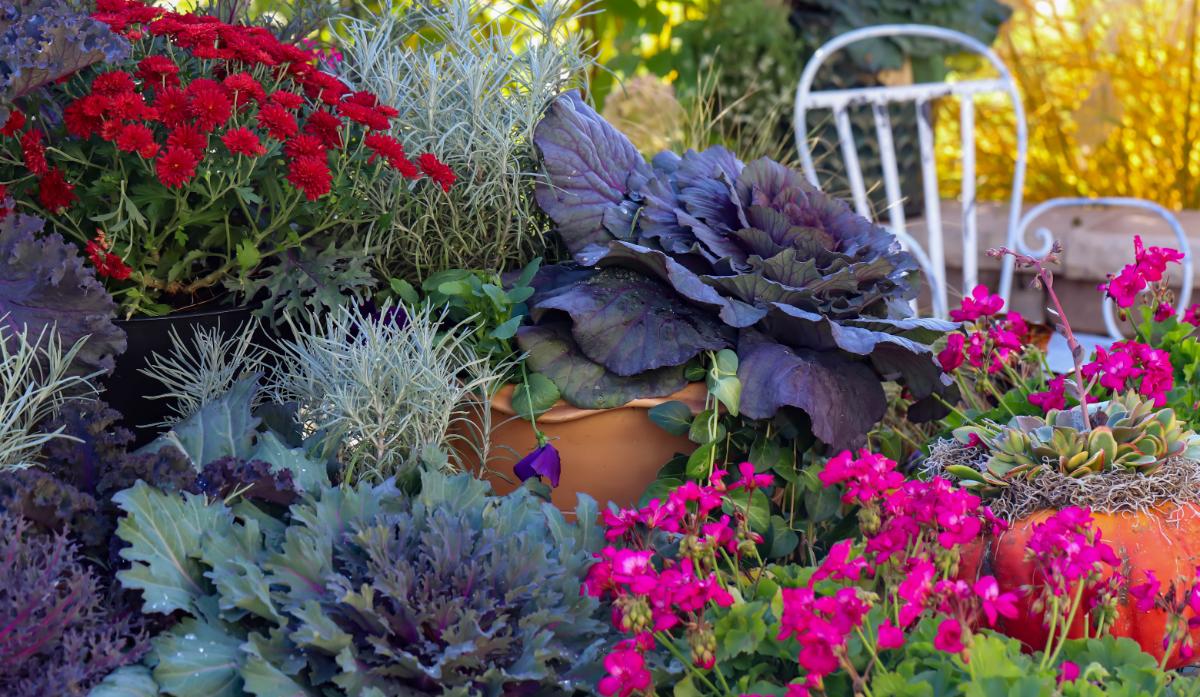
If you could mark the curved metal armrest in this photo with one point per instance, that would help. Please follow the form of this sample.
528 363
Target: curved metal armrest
1045 239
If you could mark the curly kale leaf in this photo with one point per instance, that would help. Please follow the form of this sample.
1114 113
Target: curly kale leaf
71 489
44 283
44 40
61 635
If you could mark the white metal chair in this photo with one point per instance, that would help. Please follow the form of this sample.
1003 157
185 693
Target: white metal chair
922 96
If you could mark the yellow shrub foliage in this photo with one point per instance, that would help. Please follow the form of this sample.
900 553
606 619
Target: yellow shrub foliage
1112 97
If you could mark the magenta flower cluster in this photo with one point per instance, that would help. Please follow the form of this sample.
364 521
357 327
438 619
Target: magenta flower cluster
1148 267
651 593
992 340
1126 365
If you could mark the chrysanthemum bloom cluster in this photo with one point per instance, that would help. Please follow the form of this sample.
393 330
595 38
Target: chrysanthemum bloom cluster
210 126
652 593
1147 268
991 340
1126 365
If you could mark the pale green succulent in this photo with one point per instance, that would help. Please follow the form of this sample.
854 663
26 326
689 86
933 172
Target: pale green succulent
1127 433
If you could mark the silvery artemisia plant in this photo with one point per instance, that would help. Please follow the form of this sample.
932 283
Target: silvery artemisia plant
700 252
44 40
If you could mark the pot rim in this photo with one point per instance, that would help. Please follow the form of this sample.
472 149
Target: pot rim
693 395
193 314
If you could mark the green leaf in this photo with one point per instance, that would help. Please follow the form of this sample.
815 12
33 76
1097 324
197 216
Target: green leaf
235 559
727 390
700 462
164 532
507 329
703 430
309 475
224 427
405 291
726 362
197 659
740 630
781 539
126 681
535 396
263 677
674 417
248 255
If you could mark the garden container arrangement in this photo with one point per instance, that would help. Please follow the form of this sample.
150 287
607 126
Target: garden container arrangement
550 419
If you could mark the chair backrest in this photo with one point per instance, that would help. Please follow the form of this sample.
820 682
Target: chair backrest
921 96
1046 239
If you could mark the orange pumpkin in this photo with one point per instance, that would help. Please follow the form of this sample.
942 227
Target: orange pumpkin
1165 540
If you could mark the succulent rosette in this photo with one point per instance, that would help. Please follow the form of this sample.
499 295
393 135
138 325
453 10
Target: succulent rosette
701 252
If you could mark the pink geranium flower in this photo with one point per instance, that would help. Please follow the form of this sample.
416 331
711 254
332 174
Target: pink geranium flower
994 603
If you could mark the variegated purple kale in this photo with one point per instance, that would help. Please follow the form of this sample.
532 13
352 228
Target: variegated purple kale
701 252
58 633
44 284
44 40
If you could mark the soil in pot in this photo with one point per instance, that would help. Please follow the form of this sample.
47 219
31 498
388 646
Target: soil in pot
609 454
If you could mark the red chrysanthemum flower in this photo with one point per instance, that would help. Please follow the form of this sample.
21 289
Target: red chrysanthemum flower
244 89
54 192
243 141
310 175
14 123
107 264
323 86
188 137
113 83
287 100
176 166
158 71
277 121
137 137
325 126
209 105
391 150
365 115
437 170
34 152
172 106
304 145
127 106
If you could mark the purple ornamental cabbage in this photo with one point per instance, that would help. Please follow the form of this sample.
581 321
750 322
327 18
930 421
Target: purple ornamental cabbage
701 252
44 40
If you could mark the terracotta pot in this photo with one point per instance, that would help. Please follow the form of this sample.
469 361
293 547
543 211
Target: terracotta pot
1165 540
609 454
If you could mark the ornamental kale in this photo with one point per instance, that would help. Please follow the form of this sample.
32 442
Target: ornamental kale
701 252
58 633
44 283
360 590
44 40
77 474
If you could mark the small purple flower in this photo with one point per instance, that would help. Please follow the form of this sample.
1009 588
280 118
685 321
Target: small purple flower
541 462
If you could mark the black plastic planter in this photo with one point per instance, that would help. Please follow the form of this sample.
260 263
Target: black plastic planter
127 389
